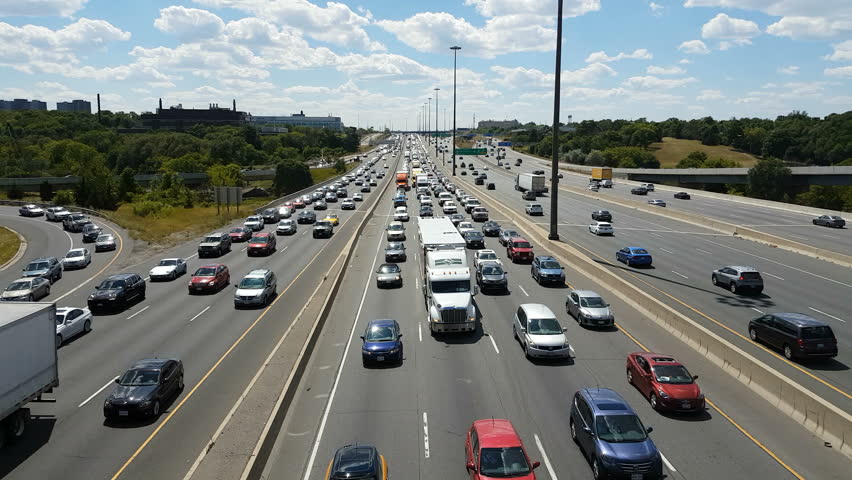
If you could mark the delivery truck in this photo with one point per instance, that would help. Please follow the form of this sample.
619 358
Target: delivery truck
599 174
29 362
530 182
402 180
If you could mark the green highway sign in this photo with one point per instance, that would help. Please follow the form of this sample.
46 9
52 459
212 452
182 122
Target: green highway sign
471 151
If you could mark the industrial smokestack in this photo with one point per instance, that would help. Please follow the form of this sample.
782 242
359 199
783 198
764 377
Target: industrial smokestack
99 108
235 104
161 104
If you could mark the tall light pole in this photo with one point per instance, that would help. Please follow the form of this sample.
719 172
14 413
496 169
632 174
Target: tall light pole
455 50
554 167
436 122
428 121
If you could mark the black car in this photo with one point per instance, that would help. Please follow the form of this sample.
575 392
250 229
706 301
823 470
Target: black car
639 191
323 229
271 215
479 181
491 229
116 291
144 388
796 334
681 196
395 252
538 172
490 186
91 232
358 461
474 239
464 172
602 216
426 211
830 221
306 216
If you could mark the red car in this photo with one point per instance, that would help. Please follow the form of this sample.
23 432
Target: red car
665 382
261 243
518 249
209 278
288 204
299 204
493 449
239 234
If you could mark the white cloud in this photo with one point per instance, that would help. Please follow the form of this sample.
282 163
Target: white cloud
730 30
524 78
189 24
801 18
807 27
652 82
842 72
842 52
656 9
601 56
709 95
789 70
696 47
655 70
570 8
40 8
685 61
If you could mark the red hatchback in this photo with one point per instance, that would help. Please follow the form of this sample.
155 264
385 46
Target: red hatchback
519 249
261 243
665 382
239 234
493 449
209 278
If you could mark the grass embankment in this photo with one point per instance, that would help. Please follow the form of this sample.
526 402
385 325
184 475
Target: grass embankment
9 244
672 150
323 174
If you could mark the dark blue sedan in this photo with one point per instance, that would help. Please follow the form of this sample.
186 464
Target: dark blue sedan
634 256
382 342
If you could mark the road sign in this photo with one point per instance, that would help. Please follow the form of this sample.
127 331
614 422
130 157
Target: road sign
488 135
504 144
471 151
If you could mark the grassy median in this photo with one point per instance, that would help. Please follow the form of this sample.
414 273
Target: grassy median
9 244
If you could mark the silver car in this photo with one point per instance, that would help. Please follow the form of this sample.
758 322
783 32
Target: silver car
70 322
738 278
254 223
105 242
26 290
76 258
589 309
286 227
256 289
506 235
535 326
388 274
31 211
56 214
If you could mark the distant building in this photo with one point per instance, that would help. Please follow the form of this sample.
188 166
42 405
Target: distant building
75 106
178 118
299 120
273 130
22 104
499 124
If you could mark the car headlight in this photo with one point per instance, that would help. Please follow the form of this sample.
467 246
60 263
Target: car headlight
662 393
212 284
393 350
113 295
145 403
532 344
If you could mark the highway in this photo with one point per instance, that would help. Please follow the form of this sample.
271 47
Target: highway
684 258
783 222
417 413
218 344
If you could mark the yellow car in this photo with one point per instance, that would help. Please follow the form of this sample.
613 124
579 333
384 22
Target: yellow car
357 461
333 218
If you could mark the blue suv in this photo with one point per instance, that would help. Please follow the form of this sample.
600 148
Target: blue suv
546 269
611 435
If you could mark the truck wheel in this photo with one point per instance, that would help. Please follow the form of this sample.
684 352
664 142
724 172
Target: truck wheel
16 424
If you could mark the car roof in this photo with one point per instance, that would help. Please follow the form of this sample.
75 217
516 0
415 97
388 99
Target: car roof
212 265
742 268
800 319
79 249
263 234
585 293
658 358
519 239
122 276
490 263
257 273
635 248
42 259
537 310
496 433
152 362
604 401
546 257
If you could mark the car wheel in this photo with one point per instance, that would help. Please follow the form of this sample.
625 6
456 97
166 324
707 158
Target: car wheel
733 287
30 298
573 430
155 410
596 470
515 332
47 291
788 352
58 341
714 280
180 382
654 402
526 351
629 376
87 327
173 275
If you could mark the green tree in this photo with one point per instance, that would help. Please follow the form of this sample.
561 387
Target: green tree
225 175
127 186
291 176
64 197
339 165
595 158
711 135
695 159
644 136
754 138
15 192
768 179
45 191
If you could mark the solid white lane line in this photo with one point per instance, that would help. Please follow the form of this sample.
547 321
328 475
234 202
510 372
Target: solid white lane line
420 331
522 289
827 315
756 310
147 278
425 435
416 283
285 248
544 458
140 311
773 276
704 251
657 234
668 464
199 313
96 393
680 274
667 251
494 344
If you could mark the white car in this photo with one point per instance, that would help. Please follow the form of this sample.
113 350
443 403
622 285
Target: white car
70 322
465 227
648 186
480 256
285 212
425 201
657 203
286 227
593 187
534 209
385 165
601 228
76 258
57 214
449 208
358 197
537 329
254 223
168 269
485 168
347 204
396 231
479 214
400 214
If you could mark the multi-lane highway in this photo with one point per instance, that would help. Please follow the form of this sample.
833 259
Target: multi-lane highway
218 345
417 413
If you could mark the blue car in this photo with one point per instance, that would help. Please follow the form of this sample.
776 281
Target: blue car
612 437
399 201
546 269
634 256
382 342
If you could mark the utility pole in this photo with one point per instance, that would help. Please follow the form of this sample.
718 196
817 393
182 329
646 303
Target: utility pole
455 50
554 167
436 123
428 122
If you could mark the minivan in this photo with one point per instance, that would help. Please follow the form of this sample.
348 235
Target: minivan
796 334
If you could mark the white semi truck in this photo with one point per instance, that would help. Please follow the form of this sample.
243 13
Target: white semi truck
530 182
447 282
28 362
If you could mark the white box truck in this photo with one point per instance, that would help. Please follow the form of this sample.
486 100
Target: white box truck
530 182
29 362
447 281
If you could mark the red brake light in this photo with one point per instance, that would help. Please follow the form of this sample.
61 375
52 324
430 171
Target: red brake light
742 278
800 342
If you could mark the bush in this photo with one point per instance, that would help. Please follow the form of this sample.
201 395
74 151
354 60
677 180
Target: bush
64 197
152 208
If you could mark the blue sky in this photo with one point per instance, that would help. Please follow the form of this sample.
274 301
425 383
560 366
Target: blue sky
375 62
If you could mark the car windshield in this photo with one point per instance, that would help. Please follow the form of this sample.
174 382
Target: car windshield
389 269
506 462
474 235
676 374
169 262
544 326
521 244
239 230
205 272
510 233
814 333
15 286
603 212
140 378
620 428
74 253
37 266
323 223
259 239
394 227
492 270
380 333
253 282
253 219
78 217
550 264
211 239
451 286
105 238
639 251
395 246
111 284
592 302
488 256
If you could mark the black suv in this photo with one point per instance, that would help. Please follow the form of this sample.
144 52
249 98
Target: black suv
116 291
271 215
91 232
796 334
306 216
602 216
639 191
323 229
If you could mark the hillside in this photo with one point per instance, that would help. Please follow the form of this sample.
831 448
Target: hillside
672 150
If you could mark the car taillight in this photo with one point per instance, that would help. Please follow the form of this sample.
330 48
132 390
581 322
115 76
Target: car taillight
800 342
742 277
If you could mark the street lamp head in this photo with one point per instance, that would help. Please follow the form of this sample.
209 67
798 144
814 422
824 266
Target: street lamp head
455 48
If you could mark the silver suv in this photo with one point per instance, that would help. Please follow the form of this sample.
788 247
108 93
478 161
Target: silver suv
738 278
257 288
